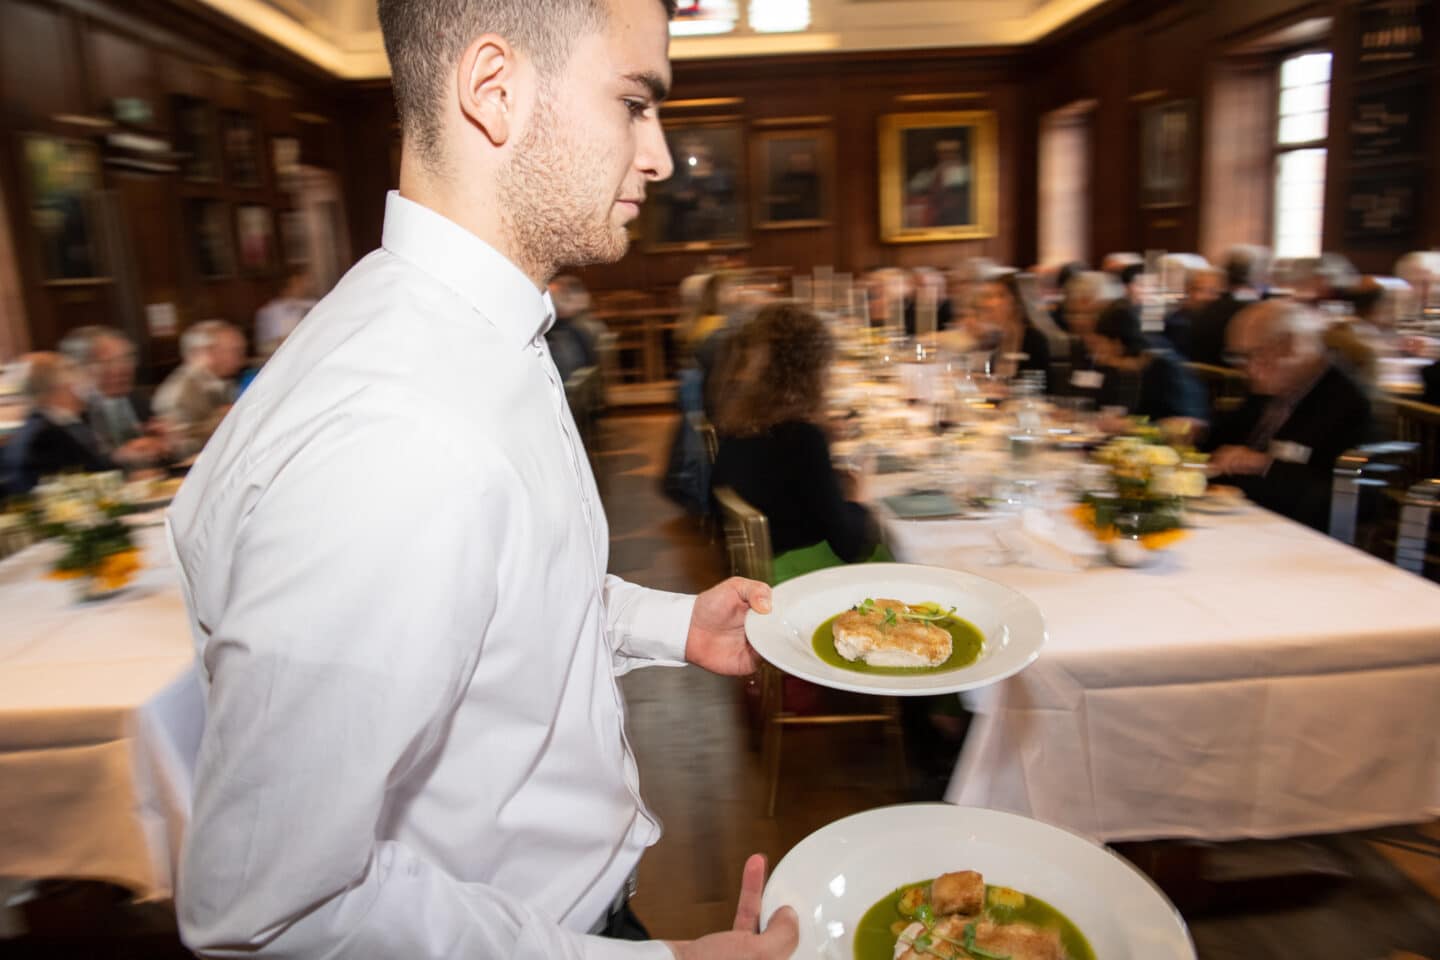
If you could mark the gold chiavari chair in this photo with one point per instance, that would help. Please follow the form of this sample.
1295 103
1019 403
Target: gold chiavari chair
747 541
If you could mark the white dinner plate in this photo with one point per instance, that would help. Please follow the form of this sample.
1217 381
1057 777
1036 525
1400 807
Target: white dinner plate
1011 624
836 874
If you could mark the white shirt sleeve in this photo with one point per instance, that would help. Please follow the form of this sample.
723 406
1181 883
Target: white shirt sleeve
646 627
353 617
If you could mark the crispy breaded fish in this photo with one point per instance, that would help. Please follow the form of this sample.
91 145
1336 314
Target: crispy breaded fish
882 633
1018 941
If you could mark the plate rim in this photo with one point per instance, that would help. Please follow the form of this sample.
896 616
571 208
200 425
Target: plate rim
831 677
768 908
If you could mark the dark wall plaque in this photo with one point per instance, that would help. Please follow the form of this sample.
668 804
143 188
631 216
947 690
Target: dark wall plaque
1392 34
1387 123
1384 208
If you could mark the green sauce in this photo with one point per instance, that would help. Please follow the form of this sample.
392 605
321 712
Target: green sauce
875 940
964 650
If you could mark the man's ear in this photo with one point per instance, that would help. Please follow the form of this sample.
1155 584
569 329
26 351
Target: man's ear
485 80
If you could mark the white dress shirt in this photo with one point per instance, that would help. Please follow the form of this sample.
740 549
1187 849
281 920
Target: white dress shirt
393 555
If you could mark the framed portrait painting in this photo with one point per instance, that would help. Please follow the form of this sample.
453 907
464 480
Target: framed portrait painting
196 139
242 149
794 174
64 176
255 228
702 205
209 234
1166 134
938 176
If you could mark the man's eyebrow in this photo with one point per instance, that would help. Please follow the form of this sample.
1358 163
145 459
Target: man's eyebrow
650 81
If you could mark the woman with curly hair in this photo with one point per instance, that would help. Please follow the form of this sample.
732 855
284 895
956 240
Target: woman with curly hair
773 449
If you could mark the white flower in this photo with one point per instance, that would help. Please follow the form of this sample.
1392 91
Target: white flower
1158 456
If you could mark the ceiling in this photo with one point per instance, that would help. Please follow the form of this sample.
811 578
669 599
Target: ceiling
343 36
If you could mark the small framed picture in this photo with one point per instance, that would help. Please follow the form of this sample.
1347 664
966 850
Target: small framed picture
63 176
285 158
701 206
295 236
795 173
195 139
208 231
255 227
1166 132
242 151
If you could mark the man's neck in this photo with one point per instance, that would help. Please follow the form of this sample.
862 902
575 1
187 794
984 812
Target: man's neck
472 209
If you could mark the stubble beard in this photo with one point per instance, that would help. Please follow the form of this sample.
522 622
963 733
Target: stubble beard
548 203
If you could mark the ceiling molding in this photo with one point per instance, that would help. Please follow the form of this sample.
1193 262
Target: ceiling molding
347 46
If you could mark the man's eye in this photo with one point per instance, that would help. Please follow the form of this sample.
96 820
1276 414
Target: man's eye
637 108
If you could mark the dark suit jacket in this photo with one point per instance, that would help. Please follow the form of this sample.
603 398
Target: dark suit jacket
94 420
1332 418
1179 326
1431 376
42 448
1208 328
1164 389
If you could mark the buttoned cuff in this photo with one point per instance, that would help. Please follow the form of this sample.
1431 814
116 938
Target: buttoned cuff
652 629
600 948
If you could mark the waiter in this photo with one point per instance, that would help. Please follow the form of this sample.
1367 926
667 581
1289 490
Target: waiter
394 555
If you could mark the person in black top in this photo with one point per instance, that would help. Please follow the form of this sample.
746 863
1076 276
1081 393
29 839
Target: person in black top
1148 380
571 345
1002 318
54 438
773 451
1202 287
1244 279
1303 412
1062 286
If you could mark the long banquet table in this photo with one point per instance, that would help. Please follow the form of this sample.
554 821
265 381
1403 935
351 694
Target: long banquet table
100 715
1261 680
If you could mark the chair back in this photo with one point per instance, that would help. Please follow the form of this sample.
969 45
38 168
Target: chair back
1413 541
1373 467
1419 423
708 436
747 536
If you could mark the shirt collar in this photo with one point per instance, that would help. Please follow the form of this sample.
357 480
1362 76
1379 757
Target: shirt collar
490 283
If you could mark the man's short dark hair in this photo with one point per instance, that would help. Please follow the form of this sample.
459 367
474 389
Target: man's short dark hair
424 40
1130 271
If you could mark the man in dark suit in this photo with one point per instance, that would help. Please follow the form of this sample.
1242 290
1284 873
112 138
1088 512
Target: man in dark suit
1202 288
114 412
1244 279
1303 412
54 438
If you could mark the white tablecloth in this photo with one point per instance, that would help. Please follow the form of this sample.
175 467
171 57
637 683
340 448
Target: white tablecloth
1262 680
100 717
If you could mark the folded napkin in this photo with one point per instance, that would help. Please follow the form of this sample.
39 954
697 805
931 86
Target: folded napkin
1048 542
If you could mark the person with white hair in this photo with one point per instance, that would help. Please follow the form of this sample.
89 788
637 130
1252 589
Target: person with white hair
1302 413
119 417
198 394
54 438
1246 271
1202 287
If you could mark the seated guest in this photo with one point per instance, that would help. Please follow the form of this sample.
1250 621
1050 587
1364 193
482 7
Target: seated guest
1202 288
1244 280
1132 278
1003 325
279 317
774 452
1303 412
196 397
54 438
1367 332
930 286
1430 376
117 416
1147 380
1062 283
571 345
1087 296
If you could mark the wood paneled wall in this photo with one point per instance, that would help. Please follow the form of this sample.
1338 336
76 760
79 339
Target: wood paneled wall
1131 53
67 59
853 92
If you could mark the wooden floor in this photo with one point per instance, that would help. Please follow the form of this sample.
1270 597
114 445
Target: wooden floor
1372 896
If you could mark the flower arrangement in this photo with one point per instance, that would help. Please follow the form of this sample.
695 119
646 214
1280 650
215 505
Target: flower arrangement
1151 482
83 512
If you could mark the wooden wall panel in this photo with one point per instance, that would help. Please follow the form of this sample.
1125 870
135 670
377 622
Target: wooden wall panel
120 66
39 74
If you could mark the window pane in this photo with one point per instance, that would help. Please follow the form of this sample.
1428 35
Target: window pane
1304 128
779 16
1299 202
1312 99
699 17
1305 69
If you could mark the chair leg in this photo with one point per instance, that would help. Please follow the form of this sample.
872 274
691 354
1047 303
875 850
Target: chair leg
896 732
773 729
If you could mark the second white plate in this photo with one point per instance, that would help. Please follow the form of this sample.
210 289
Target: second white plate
1011 624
